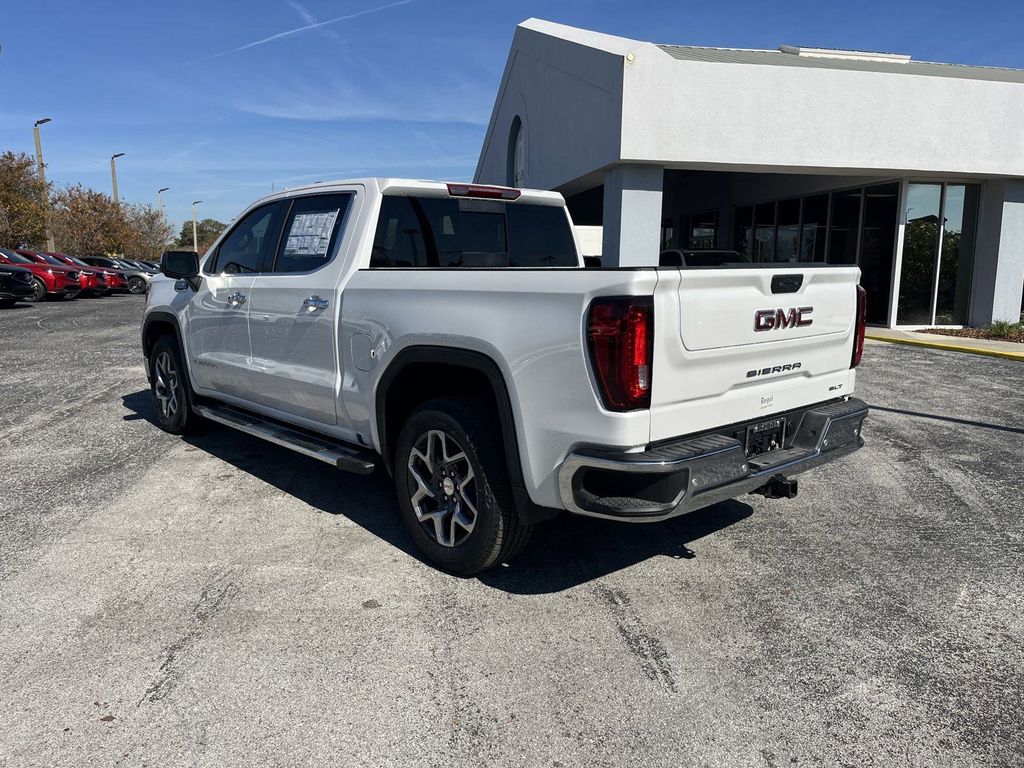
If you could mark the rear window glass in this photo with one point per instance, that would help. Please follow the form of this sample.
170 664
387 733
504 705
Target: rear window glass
468 232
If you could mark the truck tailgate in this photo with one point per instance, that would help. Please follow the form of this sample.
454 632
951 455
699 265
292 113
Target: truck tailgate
732 344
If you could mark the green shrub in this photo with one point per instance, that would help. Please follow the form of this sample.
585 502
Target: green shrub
1002 329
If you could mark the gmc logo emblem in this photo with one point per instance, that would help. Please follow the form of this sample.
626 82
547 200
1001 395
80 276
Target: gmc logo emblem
770 319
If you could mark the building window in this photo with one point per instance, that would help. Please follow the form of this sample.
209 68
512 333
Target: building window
516 166
814 232
764 233
703 231
938 254
668 233
744 233
787 244
843 233
877 247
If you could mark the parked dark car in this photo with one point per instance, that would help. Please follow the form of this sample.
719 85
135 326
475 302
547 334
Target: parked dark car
15 284
47 279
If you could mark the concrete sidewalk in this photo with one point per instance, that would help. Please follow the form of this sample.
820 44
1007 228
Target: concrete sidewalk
1009 350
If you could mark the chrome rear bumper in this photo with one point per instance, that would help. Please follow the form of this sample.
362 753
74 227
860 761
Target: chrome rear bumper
688 474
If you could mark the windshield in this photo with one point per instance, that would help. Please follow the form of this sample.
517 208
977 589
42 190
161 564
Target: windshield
17 258
52 260
79 262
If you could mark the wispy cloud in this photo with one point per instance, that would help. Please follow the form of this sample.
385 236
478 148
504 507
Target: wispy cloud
450 99
306 15
305 28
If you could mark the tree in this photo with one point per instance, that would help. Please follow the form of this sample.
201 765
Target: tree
23 200
87 223
148 231
207 231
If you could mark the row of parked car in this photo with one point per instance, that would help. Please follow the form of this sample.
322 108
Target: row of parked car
33 276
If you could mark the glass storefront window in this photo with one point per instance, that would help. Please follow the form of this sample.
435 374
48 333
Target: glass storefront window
787 247
842 238
920 244
877 247
956 262
743 240
764 232
813 235
704 230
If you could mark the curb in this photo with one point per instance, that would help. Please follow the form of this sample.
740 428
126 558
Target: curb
950 347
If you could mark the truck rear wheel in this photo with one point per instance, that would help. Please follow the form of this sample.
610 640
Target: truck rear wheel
453 488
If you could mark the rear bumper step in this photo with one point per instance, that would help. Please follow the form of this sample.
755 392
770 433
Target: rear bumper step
692 473
337 454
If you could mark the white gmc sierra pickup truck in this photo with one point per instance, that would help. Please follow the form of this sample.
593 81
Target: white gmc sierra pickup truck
453 334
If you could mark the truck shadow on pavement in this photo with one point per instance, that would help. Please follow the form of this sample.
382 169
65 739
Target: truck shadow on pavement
563 553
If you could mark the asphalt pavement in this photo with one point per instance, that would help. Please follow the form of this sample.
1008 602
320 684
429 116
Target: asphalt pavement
217 601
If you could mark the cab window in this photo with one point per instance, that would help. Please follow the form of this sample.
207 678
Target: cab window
311 232
250 245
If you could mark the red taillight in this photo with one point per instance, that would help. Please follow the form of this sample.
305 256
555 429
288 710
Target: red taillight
620 332
862 322
479 190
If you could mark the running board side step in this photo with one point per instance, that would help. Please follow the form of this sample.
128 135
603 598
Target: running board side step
337 454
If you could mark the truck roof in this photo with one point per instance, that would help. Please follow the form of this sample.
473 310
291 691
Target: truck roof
417 186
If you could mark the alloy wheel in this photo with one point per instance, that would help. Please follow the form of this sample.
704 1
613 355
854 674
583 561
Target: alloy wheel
165 385
38 290
445 496
136 285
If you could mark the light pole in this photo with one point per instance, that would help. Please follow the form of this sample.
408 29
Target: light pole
160 200
113 175
195 238
42 181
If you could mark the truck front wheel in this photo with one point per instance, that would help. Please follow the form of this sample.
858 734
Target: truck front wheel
453 487
172 394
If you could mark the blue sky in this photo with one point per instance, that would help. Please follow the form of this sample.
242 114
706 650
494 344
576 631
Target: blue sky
199 104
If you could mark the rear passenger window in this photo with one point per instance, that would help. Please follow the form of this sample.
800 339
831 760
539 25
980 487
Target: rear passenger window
470 232
539 236
311 232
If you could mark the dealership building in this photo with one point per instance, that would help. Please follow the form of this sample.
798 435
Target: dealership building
912 170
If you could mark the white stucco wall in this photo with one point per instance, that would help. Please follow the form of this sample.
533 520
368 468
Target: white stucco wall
799 118
568 93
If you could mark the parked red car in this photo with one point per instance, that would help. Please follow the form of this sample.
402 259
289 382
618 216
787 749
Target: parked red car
117 282
90 281
47 279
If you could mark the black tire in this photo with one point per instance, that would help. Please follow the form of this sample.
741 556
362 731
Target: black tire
172 393
136 285
38 290
496 534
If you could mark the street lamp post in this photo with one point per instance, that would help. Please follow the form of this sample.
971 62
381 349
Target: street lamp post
42 180
160 200
113 175
195 237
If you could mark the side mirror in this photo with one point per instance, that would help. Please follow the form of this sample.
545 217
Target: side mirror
180 265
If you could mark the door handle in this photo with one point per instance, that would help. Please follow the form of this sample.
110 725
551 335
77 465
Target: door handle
315 304
236 299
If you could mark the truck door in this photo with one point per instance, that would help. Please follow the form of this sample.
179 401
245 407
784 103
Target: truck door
218 343
294 310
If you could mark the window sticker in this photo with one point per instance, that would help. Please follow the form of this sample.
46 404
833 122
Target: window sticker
310 234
